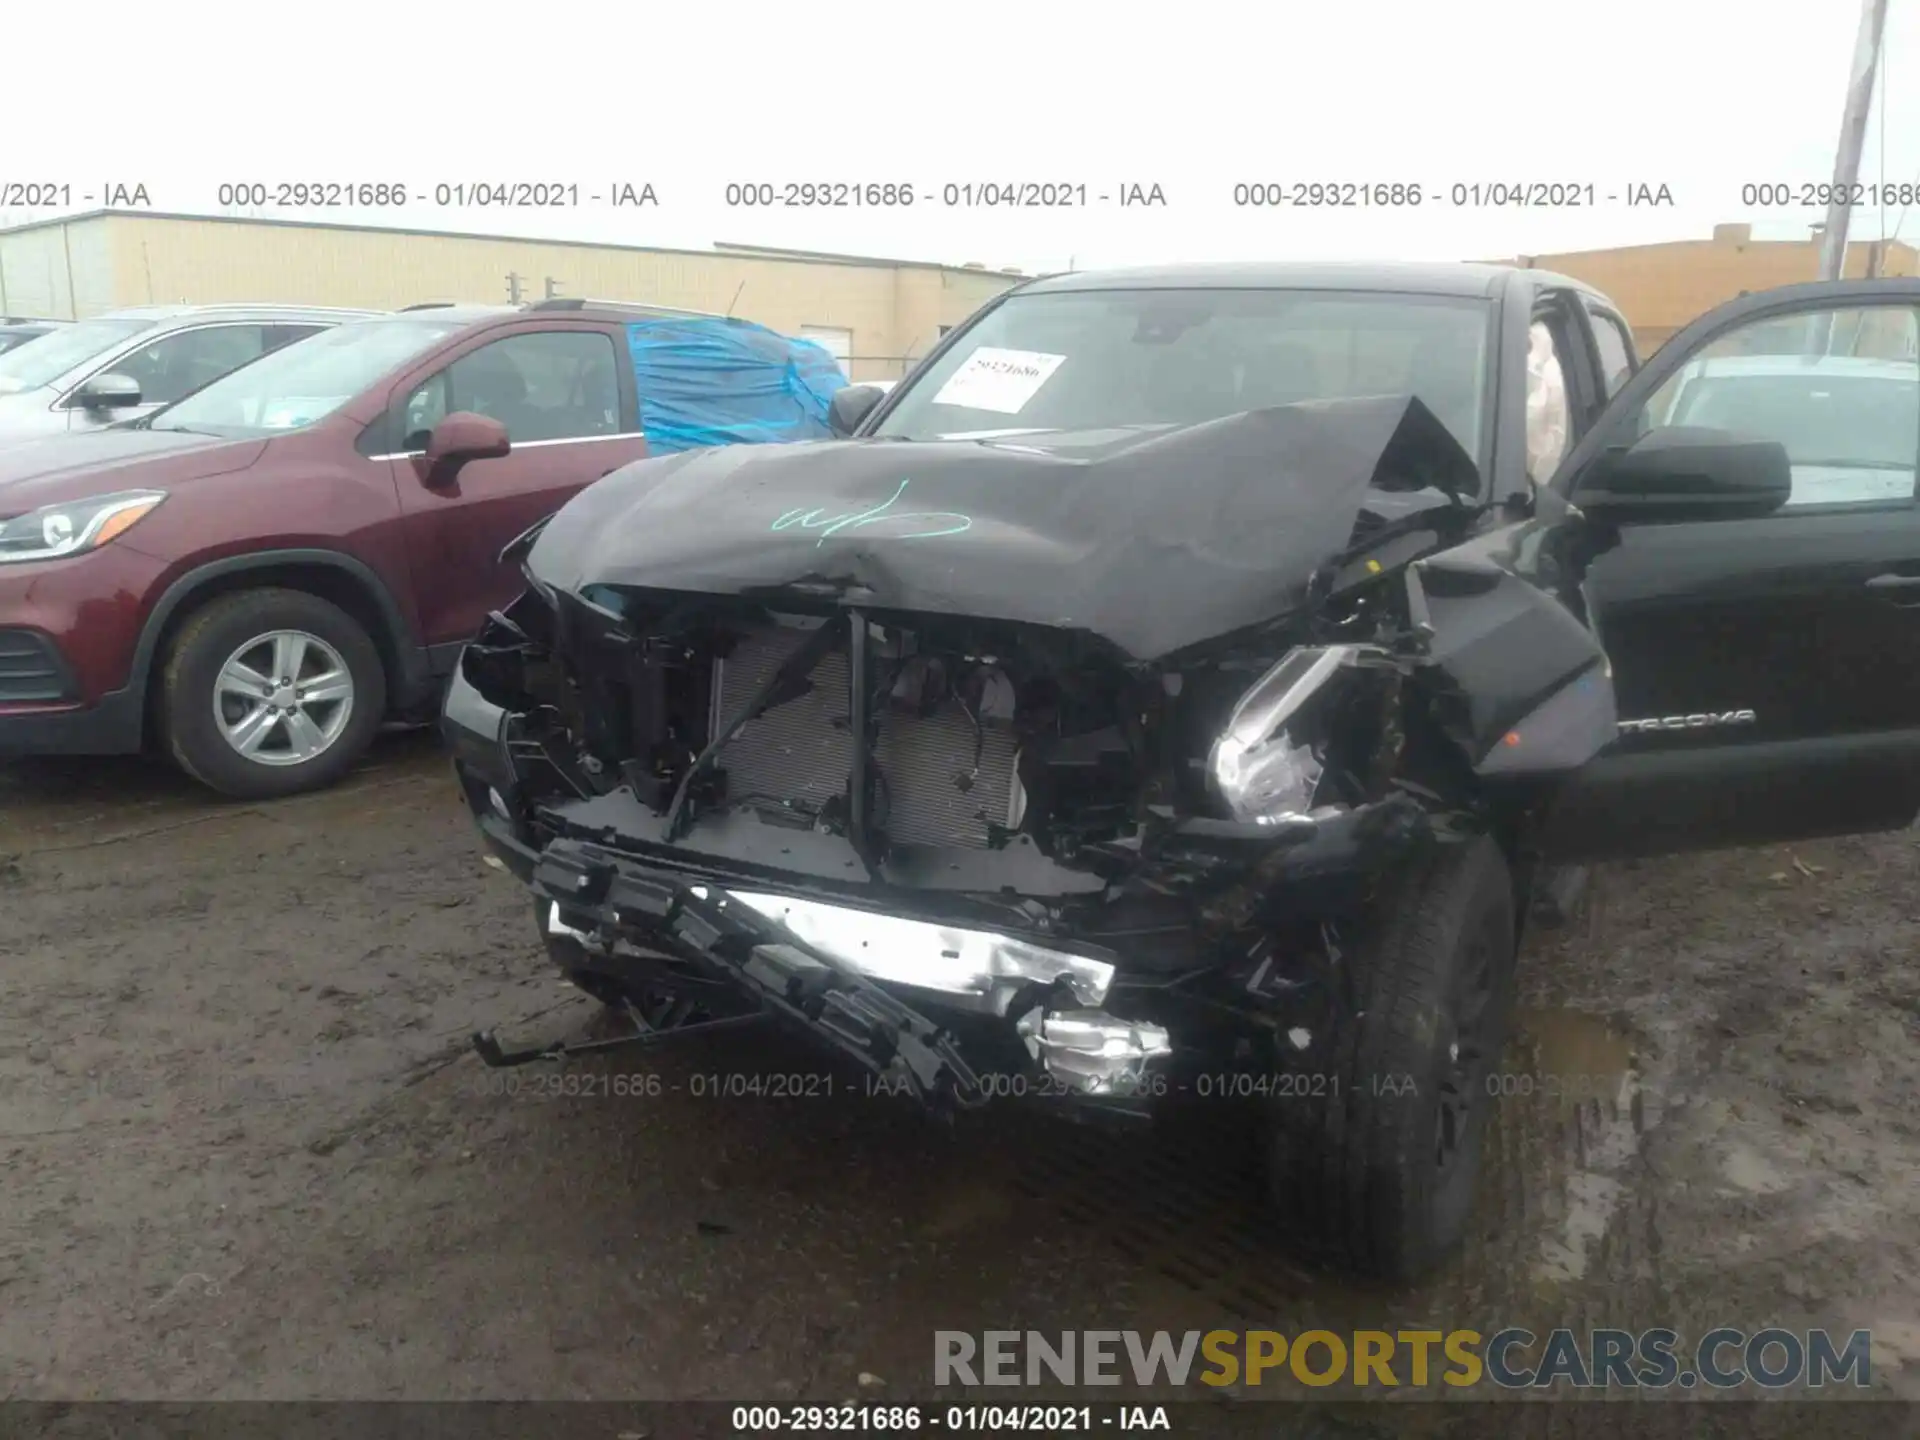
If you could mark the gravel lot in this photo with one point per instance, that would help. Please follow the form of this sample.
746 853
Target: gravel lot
249 1157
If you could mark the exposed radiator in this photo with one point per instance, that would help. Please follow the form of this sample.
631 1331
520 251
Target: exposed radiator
802 751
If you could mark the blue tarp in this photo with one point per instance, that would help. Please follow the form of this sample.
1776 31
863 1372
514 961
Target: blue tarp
728 382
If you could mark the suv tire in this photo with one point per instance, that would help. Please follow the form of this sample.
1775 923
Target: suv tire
1373 1167
259 741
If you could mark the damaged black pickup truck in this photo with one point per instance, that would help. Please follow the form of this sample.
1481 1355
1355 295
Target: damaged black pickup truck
1189 672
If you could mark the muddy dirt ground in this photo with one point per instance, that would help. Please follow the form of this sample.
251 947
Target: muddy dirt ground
248 1155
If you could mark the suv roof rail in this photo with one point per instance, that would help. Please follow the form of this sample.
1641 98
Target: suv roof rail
571 302
291 307
428 305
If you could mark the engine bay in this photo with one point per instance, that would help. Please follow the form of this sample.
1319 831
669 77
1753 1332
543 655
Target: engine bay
898 734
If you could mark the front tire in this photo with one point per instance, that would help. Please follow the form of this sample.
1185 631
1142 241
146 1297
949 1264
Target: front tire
1375 1170
270 692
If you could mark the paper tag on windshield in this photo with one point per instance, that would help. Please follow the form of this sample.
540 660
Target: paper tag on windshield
999 380
292 414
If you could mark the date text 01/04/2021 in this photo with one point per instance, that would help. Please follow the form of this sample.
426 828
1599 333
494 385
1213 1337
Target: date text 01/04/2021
895 1419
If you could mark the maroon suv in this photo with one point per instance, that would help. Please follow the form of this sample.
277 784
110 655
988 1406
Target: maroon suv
253 579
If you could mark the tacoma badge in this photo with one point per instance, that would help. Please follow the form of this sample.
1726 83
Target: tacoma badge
1690 722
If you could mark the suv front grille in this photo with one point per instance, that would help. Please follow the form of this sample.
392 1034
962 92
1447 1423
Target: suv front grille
30 668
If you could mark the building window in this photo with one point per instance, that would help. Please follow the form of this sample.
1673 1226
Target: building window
835 341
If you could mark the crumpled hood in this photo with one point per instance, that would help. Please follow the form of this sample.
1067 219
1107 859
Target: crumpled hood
1154 542
72 467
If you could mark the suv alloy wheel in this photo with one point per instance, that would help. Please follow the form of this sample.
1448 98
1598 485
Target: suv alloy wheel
271 692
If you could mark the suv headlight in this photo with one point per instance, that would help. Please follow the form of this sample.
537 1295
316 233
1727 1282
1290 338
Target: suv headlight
73 526
1265 765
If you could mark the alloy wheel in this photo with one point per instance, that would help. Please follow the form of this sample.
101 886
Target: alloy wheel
283 698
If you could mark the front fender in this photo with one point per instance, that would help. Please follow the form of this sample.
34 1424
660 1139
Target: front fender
1520 684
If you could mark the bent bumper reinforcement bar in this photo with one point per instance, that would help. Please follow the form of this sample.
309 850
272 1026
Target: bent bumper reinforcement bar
856 1015
820 965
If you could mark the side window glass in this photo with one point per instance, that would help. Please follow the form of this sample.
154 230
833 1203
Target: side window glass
1616 357
1840 389
1549 414
276 336
554 385
178 364
426 407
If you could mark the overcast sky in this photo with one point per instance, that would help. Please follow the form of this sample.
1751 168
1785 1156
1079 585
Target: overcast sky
1701 96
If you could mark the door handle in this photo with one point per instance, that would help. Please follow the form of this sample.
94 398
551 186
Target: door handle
1894 582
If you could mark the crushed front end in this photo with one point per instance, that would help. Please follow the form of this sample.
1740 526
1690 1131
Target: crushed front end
1076 791
958 851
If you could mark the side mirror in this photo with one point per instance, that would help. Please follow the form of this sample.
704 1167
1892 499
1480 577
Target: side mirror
458 438
1675 473
108 392
850 405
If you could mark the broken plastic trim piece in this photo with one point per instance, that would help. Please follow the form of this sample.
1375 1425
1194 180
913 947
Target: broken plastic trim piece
979 968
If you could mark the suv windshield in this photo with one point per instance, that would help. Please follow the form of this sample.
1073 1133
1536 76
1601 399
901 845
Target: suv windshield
1099 360
305 382
27 367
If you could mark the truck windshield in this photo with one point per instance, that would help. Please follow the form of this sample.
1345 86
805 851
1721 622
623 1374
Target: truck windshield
1099 360
306 381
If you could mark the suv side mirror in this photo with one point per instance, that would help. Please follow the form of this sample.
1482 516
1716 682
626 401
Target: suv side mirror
458 438
850 405
108 392
1675 473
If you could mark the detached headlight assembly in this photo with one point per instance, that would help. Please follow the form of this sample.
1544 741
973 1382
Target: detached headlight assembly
1267 763
74 526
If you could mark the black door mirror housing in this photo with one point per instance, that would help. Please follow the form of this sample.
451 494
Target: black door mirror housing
850 405
1677 473
108 392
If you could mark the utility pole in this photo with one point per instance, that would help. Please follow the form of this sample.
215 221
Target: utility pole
1846 164
1853 134
513 287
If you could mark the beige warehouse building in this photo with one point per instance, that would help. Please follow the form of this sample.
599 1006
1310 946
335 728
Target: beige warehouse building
878 316
1661 287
